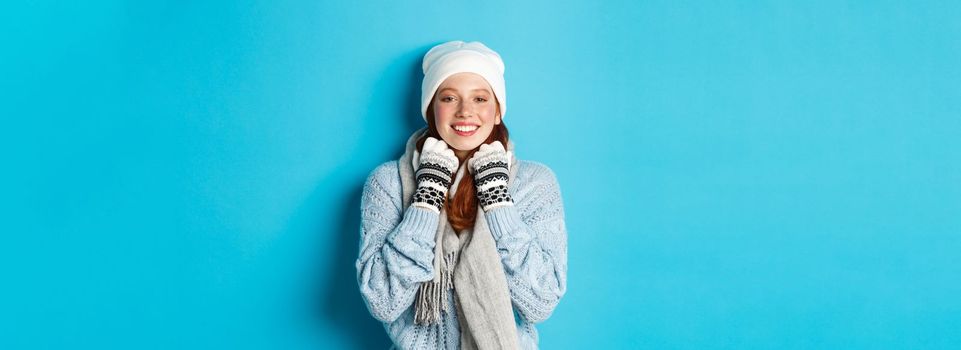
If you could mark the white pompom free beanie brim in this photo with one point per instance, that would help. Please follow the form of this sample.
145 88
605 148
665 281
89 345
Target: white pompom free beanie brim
458 56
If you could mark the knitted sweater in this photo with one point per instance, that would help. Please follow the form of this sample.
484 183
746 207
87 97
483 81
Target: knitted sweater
397 252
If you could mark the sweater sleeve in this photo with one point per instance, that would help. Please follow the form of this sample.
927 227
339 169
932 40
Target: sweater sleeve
532 241
396 247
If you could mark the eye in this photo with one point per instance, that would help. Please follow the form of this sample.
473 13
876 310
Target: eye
447 98
481 99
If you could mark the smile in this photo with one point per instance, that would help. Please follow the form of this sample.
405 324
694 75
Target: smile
465 130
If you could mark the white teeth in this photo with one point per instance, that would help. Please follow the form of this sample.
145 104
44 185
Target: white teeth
466 128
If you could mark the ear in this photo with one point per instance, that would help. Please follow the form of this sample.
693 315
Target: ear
498 122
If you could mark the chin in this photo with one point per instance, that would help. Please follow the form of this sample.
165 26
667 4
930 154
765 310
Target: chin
463 147
461 143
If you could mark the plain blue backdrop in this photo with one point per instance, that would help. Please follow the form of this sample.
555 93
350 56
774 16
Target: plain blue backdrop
746 175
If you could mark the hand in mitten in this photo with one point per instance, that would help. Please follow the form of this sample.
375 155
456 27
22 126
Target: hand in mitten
490 166
434 175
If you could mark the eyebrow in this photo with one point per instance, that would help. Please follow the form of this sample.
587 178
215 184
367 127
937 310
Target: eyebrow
450 88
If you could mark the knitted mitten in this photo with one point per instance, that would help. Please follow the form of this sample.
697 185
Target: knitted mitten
490 166
434 175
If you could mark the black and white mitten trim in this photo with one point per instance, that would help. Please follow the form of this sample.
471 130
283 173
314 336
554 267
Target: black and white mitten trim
433 181
491 182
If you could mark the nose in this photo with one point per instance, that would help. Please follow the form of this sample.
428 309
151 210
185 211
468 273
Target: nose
464 110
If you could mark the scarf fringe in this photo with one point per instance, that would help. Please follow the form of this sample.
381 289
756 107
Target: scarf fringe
432 296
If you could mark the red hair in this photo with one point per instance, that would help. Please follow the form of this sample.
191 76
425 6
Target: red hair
462 209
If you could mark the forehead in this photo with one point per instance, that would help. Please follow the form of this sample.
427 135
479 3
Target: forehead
465 82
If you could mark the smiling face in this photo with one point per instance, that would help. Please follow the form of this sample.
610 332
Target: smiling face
465 111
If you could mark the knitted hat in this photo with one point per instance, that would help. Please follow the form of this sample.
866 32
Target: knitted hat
456 56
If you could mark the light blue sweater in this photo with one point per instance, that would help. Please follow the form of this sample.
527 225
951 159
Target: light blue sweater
397 252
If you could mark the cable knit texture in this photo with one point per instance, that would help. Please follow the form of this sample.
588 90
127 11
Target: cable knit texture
397 252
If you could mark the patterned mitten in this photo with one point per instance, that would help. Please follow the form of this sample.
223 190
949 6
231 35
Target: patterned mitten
434 175
491 166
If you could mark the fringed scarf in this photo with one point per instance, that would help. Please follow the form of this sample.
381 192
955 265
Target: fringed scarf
470 264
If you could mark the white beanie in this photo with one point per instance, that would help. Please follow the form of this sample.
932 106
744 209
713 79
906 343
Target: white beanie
456 56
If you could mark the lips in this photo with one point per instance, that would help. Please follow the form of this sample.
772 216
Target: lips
466 127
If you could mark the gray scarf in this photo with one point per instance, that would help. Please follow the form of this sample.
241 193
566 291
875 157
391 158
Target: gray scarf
470 264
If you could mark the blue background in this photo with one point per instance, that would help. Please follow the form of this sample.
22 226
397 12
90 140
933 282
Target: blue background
747 175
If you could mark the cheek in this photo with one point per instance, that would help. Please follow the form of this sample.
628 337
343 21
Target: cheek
490 115
444 114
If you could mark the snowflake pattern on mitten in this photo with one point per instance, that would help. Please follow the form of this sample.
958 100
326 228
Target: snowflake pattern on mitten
434 178
491 177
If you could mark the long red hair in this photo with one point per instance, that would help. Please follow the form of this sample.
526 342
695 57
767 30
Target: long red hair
462 209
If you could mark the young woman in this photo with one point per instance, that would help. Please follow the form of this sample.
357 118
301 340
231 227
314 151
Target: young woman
462 244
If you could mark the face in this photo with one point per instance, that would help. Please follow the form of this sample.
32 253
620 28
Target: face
465 101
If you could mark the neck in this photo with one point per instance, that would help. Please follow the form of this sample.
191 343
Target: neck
461 155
